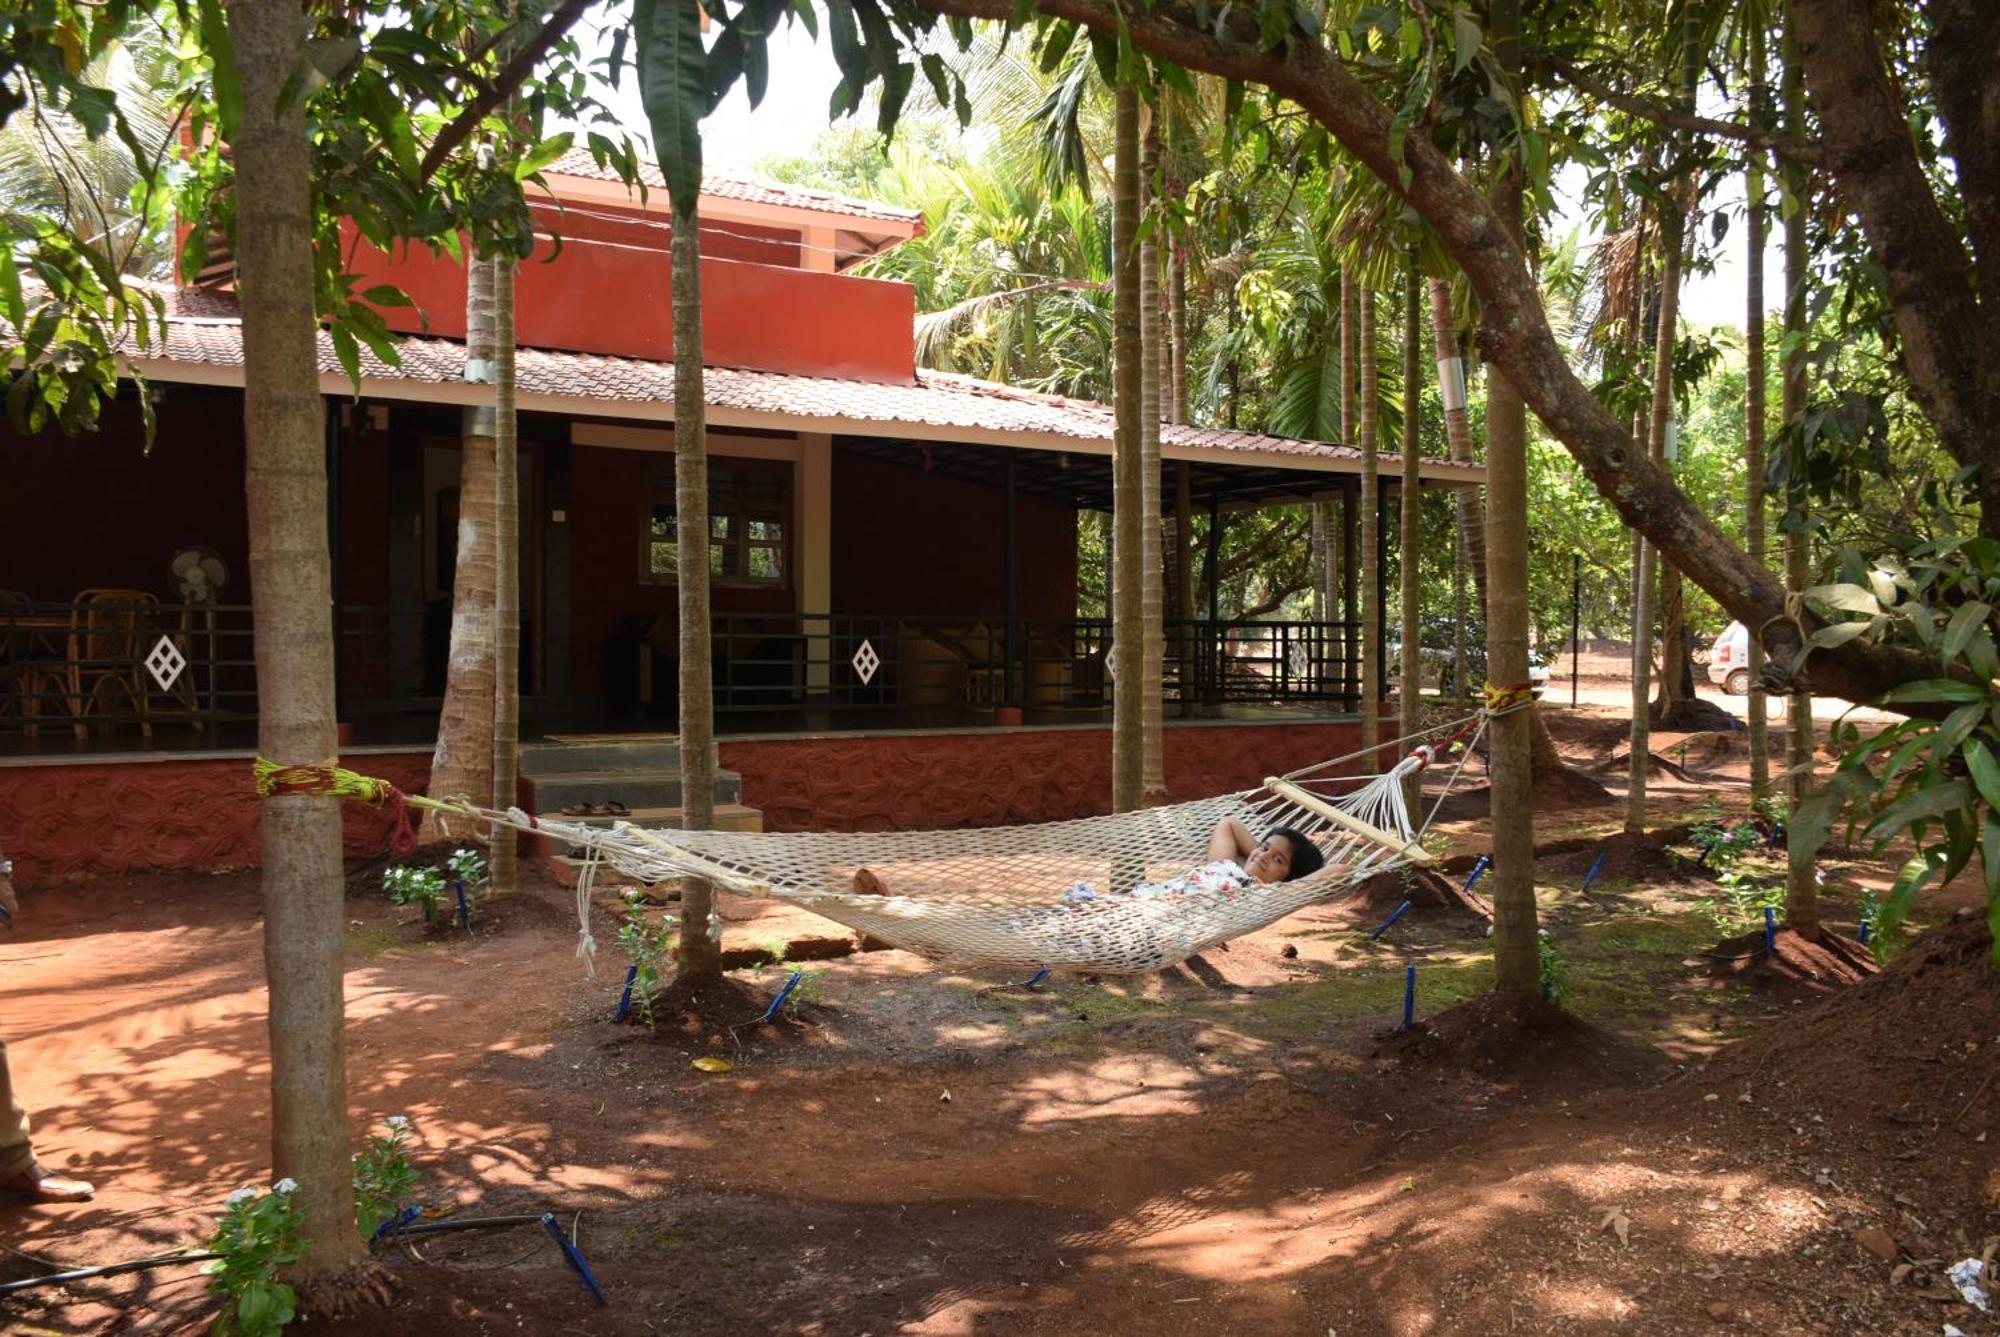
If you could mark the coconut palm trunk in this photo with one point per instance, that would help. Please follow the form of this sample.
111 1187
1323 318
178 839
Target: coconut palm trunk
1754 528
1371 559
1801 882
462 761
1659 422
1516 949
1676 654
291 582
1177 413
1153 776
1469 535
1411 527
1127 468
502 870
673 84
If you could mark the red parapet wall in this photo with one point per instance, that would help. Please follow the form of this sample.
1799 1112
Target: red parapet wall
60 823
591 297
905 782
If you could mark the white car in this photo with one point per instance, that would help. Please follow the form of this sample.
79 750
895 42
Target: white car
1729 660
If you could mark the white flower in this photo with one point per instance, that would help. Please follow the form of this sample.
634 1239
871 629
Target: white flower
398 1121
285 1186
244 1194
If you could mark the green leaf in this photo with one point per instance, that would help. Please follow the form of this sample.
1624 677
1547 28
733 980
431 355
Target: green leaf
1957 725
221 52
540 156
1985 770
1964 622
1902 896
1846 598
1836 633
1465 39
12 306
1989 858
1923 805
673 88
1933 691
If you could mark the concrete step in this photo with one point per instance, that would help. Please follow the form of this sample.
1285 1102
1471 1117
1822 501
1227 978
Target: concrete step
653 754
635 789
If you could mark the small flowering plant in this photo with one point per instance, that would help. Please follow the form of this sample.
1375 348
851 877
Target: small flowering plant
408 884
468 866
257 1235
383 1175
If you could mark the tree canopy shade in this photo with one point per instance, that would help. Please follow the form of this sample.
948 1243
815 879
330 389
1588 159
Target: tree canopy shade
1375 92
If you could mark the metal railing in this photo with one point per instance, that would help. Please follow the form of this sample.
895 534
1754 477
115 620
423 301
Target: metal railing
119 662
843 661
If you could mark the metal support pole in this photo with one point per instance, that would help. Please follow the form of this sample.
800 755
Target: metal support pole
1575 622
1010 677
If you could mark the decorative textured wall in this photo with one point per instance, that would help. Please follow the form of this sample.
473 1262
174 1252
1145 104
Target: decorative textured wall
912 781
60 823
64 822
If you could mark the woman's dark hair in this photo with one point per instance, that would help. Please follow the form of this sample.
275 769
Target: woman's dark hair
1306 858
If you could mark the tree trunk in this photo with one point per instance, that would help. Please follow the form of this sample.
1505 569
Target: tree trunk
1801 882
503 870
1177 329
1153 774
1660 422
1409 530
1371 557
1127 469
1343 570
1754 405
462 763
1677 681
1516 945
1458 430
291 583
701 928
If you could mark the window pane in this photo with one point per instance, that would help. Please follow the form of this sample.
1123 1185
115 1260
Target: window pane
765 564
662 559
719 525
718 560
767 531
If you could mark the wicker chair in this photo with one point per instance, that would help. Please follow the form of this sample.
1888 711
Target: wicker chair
107 630
32 671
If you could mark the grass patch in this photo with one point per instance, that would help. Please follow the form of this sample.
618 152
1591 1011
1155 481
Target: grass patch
373 942
1373 989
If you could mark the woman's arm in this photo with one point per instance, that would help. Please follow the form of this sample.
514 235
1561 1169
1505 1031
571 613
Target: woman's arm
1232 840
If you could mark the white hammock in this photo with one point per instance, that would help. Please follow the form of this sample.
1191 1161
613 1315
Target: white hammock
993 898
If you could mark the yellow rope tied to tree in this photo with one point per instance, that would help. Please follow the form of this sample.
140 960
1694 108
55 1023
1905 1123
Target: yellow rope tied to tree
274 780
1506 700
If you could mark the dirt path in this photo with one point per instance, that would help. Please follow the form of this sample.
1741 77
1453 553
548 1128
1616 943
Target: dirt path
1234 1148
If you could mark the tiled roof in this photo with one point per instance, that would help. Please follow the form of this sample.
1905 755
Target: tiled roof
578 162
204 331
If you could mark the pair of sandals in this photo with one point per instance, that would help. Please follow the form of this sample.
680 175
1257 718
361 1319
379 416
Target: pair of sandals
613 808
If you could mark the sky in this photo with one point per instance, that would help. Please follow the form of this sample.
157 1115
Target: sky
793 115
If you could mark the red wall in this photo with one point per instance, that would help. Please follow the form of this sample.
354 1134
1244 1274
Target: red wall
598 297
97 511
906 541
59 823
608 492
903 782
63 822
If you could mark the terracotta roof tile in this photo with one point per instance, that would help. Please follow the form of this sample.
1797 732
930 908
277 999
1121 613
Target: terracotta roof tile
578 162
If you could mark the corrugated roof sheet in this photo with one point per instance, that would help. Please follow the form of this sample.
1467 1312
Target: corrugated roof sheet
203 330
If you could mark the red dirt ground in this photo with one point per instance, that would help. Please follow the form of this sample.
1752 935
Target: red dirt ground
917 1151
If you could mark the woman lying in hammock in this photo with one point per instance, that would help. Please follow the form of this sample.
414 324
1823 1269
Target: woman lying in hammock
1237 860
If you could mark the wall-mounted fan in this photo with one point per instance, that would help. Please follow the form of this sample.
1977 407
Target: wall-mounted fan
199 575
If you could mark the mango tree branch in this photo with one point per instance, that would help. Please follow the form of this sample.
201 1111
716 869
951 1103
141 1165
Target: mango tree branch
1515 336
503 86
1647 109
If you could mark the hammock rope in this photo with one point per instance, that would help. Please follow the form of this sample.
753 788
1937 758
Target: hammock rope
1092 894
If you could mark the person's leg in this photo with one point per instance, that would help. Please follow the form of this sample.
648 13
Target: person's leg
16 1156
18 1172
